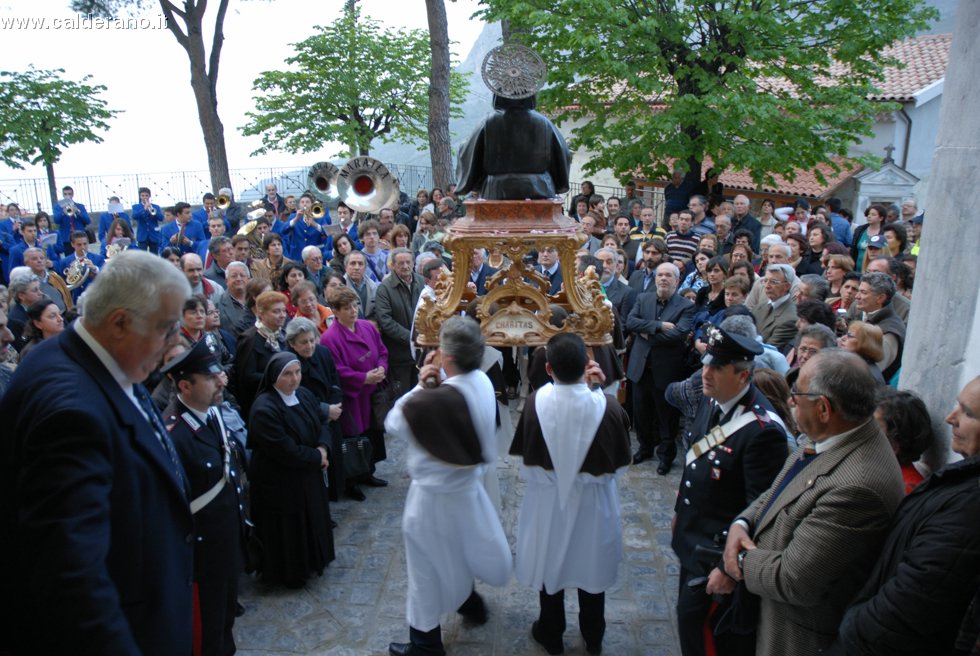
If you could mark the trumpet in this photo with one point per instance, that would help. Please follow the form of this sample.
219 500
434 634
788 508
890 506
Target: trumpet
317 211
152 210
69 207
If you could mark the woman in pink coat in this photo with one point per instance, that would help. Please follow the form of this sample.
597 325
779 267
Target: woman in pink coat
362 362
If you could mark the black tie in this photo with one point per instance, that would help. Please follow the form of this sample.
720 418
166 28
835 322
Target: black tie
151 413
715 416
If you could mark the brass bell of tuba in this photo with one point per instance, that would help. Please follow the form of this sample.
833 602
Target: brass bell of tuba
321 180
222 202
366 185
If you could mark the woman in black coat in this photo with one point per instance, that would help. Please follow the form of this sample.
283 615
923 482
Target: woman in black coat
320 377
257 345
289 442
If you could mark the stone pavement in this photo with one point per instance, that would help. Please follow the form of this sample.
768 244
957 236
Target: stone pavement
358 605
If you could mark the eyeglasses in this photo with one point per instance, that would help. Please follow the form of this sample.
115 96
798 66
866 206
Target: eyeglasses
770 282
793 392
807 349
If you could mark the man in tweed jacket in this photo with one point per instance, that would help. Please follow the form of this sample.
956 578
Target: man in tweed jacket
805 546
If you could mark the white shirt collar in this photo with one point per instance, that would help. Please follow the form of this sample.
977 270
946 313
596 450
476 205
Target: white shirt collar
779 301
830 442
727 406
109 363
201 416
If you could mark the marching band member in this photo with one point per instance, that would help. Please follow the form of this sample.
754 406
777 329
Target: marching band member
70 216
118 229
115 211
203 213
303 230
147 217
91 262
28 231
233 214
183 233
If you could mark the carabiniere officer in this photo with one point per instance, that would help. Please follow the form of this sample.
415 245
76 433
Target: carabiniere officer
738 445
211 459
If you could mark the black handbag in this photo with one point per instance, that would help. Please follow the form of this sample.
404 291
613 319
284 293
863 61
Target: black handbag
382 401
356 452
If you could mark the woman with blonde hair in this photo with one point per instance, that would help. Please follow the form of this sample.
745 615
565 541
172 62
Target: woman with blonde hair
835 268
867 341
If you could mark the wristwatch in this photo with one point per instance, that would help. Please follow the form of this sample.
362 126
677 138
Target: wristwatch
741 559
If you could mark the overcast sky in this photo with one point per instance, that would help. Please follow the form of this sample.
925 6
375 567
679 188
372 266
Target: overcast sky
147 75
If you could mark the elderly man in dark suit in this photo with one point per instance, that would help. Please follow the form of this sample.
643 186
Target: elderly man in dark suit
621 295
480 271
660 323
93 496
394 307
805 545
776 320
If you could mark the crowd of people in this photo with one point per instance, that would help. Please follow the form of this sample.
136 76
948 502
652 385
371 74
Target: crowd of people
253 362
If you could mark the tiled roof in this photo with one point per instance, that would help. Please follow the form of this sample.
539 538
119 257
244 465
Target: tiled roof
925 59
806 183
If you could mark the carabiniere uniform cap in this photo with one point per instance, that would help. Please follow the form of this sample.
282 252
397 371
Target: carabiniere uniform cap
726 348
197 360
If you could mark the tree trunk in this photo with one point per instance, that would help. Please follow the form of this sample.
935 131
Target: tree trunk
505 31
440 150
52 188
212 128
204 78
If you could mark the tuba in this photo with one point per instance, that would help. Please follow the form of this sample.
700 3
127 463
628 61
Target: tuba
322 182
366 185
248 229
75 274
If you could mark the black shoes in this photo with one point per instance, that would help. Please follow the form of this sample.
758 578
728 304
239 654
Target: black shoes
663 468
374 481
553 647
400 649
474 610
640 456
354 492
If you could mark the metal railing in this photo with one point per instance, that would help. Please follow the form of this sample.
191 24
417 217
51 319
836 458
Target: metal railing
170 187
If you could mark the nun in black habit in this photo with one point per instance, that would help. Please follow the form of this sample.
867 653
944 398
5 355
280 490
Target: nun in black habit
290 441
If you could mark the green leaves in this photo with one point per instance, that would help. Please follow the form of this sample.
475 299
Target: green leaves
353 82
767 86
44 114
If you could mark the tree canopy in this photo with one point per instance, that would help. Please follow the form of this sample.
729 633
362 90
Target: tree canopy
44 114
352 82
765 86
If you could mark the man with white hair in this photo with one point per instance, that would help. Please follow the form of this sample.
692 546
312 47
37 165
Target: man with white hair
743 220
79 481
776 320
52 285
313 261
231 306
621 295
779 253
